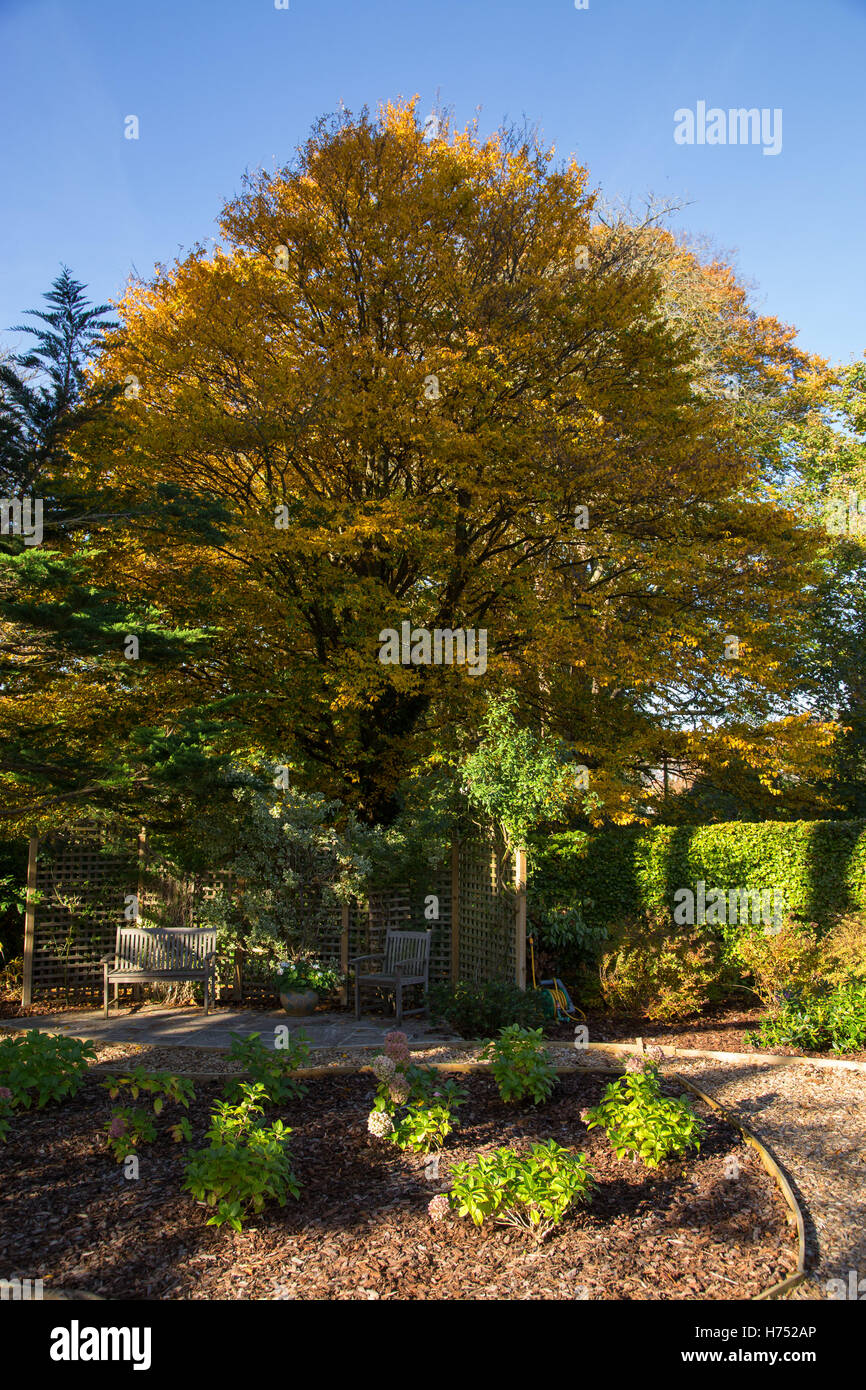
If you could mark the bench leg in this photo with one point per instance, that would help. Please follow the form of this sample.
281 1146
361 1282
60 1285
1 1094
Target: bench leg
206 988
105 991
399 1004
357 996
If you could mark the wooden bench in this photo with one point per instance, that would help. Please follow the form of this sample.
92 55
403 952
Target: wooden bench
153 954
405 962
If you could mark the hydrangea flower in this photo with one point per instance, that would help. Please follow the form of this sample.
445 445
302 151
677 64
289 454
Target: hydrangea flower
397 1046
5 1093
379 1124
117 1128
584 1114
634 1063
399 1090
438 1207
384 1068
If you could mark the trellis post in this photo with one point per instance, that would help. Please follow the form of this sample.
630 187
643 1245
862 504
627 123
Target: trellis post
344 953
520 922
455 912
29 923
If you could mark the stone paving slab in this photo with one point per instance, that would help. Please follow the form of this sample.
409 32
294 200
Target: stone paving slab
188 1027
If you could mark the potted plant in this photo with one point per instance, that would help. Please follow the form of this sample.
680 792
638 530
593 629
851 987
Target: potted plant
300 983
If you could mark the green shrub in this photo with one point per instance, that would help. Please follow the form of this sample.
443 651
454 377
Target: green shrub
655 968
245 1165
273 1070
521 1064
40 1068
530 1191
414 1106
784 960
128 1128
161 1085
642 1122
482 1010
833 1020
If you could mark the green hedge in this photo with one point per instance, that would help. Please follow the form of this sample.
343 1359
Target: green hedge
819 866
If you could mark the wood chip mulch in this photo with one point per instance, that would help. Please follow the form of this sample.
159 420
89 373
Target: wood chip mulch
722 1029
361 1229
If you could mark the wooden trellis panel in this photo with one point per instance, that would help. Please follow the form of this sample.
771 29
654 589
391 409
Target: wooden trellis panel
78 893
472 904
487 946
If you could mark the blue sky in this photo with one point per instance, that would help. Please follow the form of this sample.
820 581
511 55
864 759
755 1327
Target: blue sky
223 85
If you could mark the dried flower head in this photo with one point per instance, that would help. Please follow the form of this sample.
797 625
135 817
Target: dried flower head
438 1207
5 1093
384 1068
117 1128
399 1090
634 1063
397 1046
379 1124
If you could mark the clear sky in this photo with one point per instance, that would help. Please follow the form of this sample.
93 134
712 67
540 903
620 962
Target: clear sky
223 85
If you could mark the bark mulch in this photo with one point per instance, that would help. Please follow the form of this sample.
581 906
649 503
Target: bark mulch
725 1028
361 1229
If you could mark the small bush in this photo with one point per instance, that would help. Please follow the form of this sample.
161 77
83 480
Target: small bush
521 1064
245 1164
530 1191
844 950
128 1128
482 1010
788 959
834 1020
642 1122
161 1085
272 1070
40 1068
414 1106
655 968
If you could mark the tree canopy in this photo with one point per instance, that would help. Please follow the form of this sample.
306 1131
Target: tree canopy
426 378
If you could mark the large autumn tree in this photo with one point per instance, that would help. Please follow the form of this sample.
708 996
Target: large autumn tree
423 378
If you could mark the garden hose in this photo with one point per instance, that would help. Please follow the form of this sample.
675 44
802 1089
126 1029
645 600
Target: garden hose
562 1009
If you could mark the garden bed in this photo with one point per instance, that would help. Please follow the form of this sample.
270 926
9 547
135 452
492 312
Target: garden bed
361 1229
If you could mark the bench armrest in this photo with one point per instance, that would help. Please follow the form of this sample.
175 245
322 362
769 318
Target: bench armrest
107 960
377 955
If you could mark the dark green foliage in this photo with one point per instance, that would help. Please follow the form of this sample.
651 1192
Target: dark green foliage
833 1020
819 866
481 1011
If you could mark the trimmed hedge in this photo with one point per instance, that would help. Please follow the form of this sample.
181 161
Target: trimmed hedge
819 866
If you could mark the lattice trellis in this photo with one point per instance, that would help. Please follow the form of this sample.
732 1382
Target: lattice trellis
79 892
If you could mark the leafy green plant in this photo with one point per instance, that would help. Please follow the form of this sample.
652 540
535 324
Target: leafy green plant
273 1069
481 1010
127 1129
245 1165
531 1191
834 1020
40 1068
642 1122
161 1085
414 1106
6 1105
521 1064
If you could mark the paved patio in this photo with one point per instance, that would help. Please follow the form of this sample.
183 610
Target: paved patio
188 1027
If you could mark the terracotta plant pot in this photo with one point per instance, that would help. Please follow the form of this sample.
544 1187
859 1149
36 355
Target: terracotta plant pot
299 1002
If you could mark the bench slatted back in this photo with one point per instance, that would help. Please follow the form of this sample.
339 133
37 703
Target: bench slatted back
158 949
411 949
